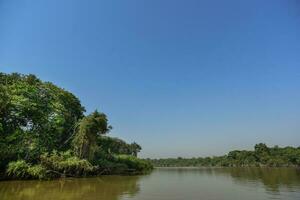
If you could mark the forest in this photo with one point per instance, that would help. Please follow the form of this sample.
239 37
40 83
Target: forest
45 133
261 156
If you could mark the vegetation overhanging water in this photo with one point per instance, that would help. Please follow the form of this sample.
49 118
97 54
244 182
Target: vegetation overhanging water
44 134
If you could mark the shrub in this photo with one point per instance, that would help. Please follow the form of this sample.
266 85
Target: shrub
66 163
21 169
107 165
37 171
134 163
18 169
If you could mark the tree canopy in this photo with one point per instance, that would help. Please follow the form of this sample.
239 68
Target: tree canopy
35 116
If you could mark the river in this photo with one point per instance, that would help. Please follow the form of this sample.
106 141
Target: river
165 184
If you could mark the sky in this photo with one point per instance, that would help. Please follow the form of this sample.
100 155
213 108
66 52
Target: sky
182 78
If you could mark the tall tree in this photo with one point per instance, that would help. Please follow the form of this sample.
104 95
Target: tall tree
135 148
90 127
35 116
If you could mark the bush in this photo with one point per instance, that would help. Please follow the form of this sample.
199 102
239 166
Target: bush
66 163
18 169
21 169
37 171
134 163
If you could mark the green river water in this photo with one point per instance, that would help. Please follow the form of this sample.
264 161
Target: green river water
166 184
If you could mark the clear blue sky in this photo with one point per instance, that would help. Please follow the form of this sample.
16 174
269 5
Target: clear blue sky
182 78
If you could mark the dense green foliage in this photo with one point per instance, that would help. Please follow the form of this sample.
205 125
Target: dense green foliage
21 169
117 146
90 128
133 162
66 163
44 133
261 156
35 117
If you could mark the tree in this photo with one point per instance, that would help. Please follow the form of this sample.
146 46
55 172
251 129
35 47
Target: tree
90 127
35 116
261 148
135 148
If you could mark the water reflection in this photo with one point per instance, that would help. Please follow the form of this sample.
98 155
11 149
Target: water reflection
110 188
166 184
273 179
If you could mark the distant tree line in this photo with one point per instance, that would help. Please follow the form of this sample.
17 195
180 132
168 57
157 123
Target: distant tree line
44 133
261 156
